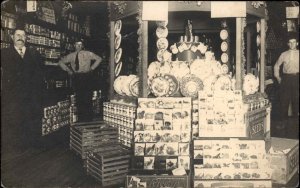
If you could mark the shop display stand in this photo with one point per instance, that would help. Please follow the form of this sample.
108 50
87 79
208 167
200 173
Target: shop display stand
122 10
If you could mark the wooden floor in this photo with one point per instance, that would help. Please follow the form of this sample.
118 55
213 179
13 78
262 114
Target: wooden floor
58 166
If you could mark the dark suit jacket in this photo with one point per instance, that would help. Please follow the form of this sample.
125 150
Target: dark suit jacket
21 84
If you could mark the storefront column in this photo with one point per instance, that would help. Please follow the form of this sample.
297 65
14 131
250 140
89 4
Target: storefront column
262 56
112 61
238 54
144 64
248 31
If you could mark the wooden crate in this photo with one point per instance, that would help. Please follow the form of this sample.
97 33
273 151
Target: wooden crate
85 137
284 164
109 165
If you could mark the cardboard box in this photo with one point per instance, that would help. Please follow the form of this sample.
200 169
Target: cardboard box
284 159
156 181
233 184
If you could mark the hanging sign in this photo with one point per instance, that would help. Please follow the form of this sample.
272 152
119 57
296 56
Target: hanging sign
292 12
223 9
155 10
31 6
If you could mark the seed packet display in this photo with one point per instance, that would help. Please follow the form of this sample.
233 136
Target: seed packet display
149 163
158 125
148 136
139 125
150 149
150 114
172 149
184 161
160 163
169 136
185 136
171 164
139 162
138 136
146 103
149 125
184 148
198 154
139 149
161 149
140 113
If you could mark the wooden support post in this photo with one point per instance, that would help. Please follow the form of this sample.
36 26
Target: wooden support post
262 56
112 60
238 54
248 51
143 87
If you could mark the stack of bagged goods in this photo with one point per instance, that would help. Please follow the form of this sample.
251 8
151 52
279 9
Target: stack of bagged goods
162 134
221 160
55 117
121 116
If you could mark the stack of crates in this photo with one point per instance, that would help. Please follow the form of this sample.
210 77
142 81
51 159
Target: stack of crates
109 165
88 136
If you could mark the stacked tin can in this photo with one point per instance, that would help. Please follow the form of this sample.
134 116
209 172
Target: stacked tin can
121 116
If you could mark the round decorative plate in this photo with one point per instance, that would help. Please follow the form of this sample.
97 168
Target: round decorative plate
118 26
165 68
118 68
174 85
223 83
162 44
258 54
224 34
162 32
209 82
200 68
224 58
162 23
179 69
153 69
224 46
118 55
257 27
134 86
126 85
257 40
118 83
190 85
159 86
225 69
118 41
160 55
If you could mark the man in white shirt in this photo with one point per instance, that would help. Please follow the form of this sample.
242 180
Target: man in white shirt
289 80
81 68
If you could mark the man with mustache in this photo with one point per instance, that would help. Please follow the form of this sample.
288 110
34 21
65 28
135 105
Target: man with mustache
21 81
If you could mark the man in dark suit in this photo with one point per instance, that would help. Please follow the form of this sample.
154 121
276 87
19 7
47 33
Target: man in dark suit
21 91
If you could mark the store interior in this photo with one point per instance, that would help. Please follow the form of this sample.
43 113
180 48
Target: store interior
58 163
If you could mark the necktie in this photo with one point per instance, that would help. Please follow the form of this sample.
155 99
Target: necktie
77 62
21 52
